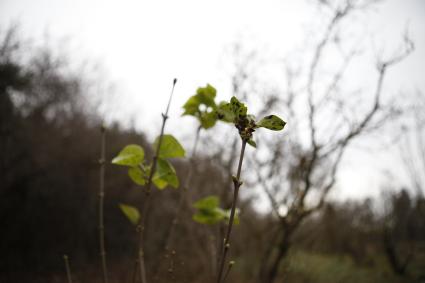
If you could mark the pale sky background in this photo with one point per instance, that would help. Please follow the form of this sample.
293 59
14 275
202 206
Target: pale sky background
143 45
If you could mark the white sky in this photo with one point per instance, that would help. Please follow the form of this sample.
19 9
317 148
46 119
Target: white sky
143 45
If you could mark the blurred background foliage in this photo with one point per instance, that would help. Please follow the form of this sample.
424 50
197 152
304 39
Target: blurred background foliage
49 149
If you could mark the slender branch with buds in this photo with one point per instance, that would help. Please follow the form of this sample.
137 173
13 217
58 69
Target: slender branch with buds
142 221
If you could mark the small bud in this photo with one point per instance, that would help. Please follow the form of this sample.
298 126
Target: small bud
232 262
174 81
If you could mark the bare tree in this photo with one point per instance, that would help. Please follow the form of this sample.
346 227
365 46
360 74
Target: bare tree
324 118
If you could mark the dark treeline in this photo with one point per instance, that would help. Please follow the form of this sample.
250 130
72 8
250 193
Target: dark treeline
49 178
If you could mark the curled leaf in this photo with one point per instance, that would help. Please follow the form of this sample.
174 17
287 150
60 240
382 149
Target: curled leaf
238 108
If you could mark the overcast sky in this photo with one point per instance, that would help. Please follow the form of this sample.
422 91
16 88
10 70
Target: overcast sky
143 45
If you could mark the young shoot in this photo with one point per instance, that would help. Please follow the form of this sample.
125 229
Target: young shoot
159 172
201 106
236 112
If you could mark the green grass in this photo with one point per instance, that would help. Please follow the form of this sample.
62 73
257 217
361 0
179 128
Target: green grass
313 267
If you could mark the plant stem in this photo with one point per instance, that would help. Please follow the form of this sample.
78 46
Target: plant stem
229 267
142 222
183 195
101 199
185 188
237 184
134 275
68 269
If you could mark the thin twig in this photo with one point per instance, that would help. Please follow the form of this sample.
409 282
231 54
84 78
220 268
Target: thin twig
229 267
101 200
237 184
183 196
134 275
142 221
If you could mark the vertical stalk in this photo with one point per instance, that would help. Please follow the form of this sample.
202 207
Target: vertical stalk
183 195
185 188
68 269
237 184
102 162
142 222
229 267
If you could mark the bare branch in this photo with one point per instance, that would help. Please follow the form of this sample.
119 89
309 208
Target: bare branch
382 69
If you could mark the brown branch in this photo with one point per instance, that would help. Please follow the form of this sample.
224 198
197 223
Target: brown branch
273 202
102 162
183 197
336 79
237 184
382 69
142 221
339 14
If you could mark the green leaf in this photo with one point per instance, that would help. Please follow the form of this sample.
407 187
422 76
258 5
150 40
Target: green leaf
272 122
204 96
208 119
165 175
170 147
209 202
225 113
131 155
210 213
231 112
208 217
137 175
191 107
252 143
238 108
131 212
